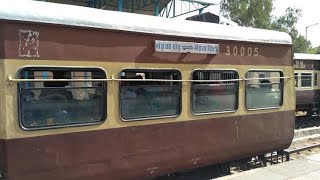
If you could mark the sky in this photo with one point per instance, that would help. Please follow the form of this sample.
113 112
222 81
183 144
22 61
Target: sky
310 15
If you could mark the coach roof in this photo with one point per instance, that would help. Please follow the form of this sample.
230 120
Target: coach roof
52 13
304 56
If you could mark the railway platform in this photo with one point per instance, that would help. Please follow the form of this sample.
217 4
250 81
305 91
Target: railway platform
306 168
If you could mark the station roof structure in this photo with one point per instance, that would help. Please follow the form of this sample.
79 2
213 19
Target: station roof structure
148 7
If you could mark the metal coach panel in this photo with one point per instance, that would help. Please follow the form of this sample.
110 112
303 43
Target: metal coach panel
51 13
143 152
53 42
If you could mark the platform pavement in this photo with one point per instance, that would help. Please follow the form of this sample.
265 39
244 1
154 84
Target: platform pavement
307 168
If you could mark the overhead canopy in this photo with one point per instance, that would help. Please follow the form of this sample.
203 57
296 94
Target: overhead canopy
149 7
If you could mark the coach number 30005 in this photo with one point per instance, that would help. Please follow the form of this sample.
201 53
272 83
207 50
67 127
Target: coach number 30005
242 51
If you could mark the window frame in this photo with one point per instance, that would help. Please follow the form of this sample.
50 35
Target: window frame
310 75
148 118
218 112
282 89
48 68
296 79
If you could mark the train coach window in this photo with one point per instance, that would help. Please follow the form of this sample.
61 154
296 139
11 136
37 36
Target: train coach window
296 79
306 80
214 96
264 93
145 94
51 104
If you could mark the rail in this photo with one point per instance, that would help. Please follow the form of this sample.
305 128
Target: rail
248 79
11 79
288 152
302 148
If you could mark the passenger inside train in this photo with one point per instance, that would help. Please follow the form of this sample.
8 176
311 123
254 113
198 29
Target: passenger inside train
58 92
52 103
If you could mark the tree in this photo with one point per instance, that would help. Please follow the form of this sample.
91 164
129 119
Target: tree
249 13
286 23
300 44
257 13
315 50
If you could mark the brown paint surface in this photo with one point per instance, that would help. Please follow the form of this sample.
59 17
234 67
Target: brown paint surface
307 100
3 158
75 43
2 54
306 65
142 152
307 97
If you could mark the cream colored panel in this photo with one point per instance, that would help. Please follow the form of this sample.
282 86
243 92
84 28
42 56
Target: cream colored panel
314 73
3 119
113 120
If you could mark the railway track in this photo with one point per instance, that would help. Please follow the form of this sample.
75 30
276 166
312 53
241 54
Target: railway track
304 146
307 121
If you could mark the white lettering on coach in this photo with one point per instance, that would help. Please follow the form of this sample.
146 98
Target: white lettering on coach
186 47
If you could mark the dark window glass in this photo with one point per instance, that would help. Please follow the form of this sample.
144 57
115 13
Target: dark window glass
264 93
143 99
46 104
306 79
211 97
296 79
315 80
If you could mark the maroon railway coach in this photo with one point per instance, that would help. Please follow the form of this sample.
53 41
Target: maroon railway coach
94 94
306 71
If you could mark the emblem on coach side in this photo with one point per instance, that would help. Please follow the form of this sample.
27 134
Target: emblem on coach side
29 43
